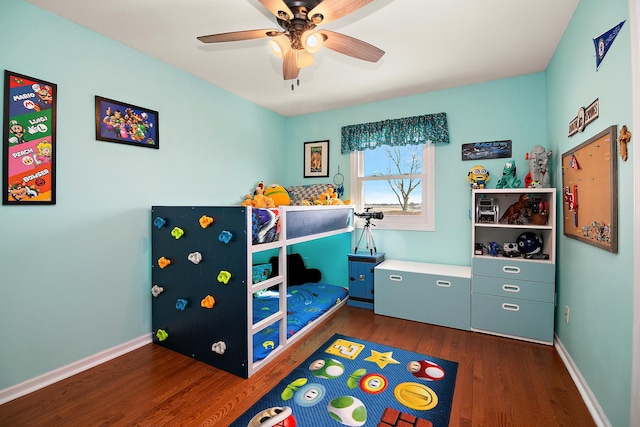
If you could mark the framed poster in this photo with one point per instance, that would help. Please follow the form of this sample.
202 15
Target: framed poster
316 159
590 191
126 123
486 150
29 141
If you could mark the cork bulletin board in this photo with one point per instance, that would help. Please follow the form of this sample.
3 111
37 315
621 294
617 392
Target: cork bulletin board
590 191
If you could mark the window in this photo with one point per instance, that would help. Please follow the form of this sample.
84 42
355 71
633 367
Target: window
398 181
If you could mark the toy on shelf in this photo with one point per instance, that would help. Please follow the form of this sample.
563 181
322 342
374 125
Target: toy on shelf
487 211
513 214
207 302
205 221
195 257
159 222
529 243
177 232
156 290
478 177
509 179
538 175
494 248
163 262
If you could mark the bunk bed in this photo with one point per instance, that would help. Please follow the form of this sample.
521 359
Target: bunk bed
210 302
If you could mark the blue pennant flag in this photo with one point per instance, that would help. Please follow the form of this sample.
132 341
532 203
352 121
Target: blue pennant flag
604 41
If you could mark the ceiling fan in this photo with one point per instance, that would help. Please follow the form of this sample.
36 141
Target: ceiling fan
299 39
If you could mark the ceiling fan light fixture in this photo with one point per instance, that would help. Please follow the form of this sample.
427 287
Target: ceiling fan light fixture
279 46
303 58
312 41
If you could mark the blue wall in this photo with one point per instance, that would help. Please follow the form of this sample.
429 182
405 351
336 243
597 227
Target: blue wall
506 109
597 285
76 275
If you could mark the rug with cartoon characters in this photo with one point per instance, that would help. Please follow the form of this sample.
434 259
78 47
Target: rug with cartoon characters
352 382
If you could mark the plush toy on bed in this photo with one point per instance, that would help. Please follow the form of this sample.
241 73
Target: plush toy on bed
297 272
259 199
278 194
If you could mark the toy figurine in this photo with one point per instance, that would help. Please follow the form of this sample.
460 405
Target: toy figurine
478 176
538 168
509 179
514 212
623 139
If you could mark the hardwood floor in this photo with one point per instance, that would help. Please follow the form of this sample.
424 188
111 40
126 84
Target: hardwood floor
500 382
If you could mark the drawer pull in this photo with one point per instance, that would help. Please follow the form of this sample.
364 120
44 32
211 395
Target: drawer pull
510 288
443 283
510 307
510 269
395 277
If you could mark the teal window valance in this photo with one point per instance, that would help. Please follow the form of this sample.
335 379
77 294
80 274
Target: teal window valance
407 131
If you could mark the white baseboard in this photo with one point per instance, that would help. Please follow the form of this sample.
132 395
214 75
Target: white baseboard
593 406
59 374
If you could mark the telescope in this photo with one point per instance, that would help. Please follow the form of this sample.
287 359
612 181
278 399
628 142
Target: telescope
369 215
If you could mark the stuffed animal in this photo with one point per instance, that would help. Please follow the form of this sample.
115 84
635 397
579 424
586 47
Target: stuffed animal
278 194
259 199
509 179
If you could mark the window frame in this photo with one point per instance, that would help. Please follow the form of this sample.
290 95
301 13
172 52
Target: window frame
423 222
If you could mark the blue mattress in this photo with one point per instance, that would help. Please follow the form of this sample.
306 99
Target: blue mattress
305 303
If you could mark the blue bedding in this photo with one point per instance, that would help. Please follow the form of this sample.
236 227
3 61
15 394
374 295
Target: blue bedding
305 303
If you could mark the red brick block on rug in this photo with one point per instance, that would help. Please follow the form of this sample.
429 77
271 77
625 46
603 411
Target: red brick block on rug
394 418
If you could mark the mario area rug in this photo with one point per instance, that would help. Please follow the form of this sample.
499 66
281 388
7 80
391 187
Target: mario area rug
352 382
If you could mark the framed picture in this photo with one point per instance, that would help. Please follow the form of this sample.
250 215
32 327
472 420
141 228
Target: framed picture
486 150
590 191
29 144
316 159
126 123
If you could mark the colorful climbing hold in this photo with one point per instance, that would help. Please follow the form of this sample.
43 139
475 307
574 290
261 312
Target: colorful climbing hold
207 302
177 232
195 257
220 347
224 276
163 262
205 221
181 304
159 222
225 236
162 334
156 290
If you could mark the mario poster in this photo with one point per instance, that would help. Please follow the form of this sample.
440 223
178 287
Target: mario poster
29 140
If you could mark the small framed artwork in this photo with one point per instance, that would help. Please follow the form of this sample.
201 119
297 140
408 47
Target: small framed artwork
316 159
126 123
29 141
486 150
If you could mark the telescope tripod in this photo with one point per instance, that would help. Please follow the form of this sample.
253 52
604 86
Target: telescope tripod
371 245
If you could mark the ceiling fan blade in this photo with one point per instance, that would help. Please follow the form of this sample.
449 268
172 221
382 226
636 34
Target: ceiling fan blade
334 9
290 69
238 36
276 7
351 46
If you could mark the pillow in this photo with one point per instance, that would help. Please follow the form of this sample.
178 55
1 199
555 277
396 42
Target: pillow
261 272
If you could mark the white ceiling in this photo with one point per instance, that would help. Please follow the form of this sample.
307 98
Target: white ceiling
429 45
